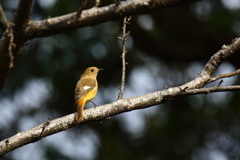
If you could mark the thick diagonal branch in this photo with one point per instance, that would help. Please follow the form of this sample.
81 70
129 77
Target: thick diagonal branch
98 113
128 104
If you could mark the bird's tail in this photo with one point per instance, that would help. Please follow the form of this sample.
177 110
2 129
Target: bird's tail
80 107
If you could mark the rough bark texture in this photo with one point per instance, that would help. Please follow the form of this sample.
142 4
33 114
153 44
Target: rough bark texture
96 16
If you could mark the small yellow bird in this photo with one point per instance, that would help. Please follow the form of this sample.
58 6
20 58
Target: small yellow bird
86 89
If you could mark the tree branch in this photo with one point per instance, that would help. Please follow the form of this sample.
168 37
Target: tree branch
211 90
97 3
205 76
25 30
128 104
123 56
22 15
98 113
224 75
3 19
96 16
79 12
8 50
12 41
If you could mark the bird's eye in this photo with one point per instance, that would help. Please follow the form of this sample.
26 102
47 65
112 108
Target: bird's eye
92 70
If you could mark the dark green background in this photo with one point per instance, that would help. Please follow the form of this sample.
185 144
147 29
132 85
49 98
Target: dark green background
166 47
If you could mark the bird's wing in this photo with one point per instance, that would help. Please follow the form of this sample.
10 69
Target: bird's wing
83 87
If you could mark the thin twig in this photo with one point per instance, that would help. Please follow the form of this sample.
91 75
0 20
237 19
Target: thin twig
11 46
29 41
124 51
211 89
97 3
4 21
79 12
8 34
117 2
224 75
45 125
220 82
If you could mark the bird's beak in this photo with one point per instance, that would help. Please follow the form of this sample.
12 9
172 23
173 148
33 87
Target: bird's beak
100 69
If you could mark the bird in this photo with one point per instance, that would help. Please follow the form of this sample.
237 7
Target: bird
85 91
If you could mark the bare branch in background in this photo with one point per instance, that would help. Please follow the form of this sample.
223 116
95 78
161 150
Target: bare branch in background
96 16
23 29
123 56
97 3
10 35
3 19
79 12
22 14
6 47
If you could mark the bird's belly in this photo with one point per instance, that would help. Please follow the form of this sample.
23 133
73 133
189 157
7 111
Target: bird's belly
91 95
